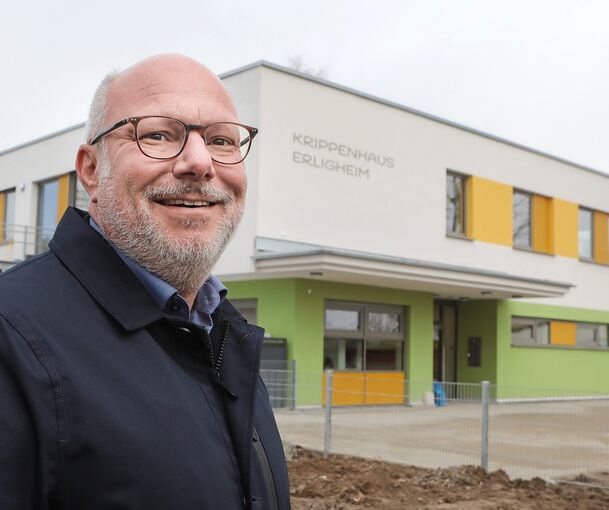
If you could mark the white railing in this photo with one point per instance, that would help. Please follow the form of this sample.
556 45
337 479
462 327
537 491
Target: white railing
17 242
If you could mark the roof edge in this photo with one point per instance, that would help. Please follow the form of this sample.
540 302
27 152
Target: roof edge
42 138
363 95
414 111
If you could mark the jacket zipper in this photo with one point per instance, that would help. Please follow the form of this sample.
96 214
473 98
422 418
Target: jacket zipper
216 362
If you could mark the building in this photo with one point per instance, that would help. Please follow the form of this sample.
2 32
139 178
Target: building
386 242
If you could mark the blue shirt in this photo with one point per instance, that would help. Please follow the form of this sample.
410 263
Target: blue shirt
208 297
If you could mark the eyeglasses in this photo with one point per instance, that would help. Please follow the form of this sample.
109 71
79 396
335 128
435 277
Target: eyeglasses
161 137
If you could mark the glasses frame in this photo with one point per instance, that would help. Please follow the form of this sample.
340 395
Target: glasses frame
187 127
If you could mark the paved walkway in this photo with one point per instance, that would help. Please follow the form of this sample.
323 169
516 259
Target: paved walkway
550 440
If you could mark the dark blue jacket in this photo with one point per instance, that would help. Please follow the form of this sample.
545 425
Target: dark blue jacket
106 403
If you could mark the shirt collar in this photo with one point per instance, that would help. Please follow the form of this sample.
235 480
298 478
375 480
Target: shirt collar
209 296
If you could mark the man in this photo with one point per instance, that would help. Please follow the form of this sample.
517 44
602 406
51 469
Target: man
127 380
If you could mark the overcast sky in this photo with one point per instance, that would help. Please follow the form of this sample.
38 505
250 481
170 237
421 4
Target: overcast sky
533 71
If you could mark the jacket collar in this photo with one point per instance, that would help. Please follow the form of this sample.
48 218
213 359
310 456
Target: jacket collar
93 261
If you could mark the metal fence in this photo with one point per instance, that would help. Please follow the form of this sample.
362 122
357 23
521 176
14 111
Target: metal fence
528 432
17 242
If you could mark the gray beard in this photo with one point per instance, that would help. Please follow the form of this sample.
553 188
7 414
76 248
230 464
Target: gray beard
183 263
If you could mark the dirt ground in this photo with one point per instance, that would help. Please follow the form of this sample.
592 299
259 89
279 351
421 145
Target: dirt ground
348 483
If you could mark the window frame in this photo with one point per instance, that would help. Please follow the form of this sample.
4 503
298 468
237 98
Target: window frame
363 334
577 346
464 209
529 246
592 240
246 304
4 238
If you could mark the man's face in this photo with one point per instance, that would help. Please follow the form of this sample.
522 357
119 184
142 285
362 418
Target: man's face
140 201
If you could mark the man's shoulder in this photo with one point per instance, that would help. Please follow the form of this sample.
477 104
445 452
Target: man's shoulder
39 277
27 269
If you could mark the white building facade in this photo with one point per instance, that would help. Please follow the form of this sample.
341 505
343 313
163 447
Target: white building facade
385 242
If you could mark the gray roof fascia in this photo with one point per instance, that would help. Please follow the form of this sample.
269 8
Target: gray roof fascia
42 138
370 97
408 262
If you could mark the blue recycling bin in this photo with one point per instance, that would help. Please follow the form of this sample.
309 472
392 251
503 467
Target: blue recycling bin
438 394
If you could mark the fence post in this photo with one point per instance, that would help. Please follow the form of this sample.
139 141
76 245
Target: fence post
484 439
328 414
293 384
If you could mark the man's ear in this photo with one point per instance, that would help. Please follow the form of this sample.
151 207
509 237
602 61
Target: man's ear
86 166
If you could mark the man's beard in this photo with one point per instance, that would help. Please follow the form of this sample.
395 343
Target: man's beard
184 263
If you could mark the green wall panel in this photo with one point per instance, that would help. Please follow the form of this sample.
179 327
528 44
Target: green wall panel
294 309
479 319
549 367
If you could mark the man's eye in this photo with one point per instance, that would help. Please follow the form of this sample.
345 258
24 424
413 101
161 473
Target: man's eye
156 136
218 140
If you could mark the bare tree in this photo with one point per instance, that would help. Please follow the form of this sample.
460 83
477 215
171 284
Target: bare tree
298 63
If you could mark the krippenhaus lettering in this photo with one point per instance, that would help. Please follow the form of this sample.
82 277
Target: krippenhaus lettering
342 150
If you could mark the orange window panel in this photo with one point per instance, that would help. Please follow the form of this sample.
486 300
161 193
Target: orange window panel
564 219
63 195
601 237
490 211
2 213
348 388
563 333
542 232
384 388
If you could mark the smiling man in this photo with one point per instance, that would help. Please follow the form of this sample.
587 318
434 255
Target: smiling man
127 379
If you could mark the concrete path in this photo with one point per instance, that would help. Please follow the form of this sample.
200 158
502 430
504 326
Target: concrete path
549 440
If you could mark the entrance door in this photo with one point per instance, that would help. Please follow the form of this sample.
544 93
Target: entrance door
445 341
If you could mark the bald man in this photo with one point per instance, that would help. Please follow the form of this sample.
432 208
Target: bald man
127 379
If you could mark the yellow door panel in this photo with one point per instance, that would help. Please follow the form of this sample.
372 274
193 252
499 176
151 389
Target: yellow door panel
384 388
347 388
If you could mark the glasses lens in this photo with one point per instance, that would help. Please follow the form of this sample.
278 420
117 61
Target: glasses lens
227 143
160 137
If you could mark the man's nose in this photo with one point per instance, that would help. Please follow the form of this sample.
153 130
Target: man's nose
195 160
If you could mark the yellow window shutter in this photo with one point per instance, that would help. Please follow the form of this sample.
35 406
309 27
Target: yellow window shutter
564 228
542 233
2 214
601 237
63 195
490 211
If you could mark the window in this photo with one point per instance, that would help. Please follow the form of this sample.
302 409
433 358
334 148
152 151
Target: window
522 220
48 203
585 233
591 335
455 204
248 308
7 216
54 196
532 331
363 337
